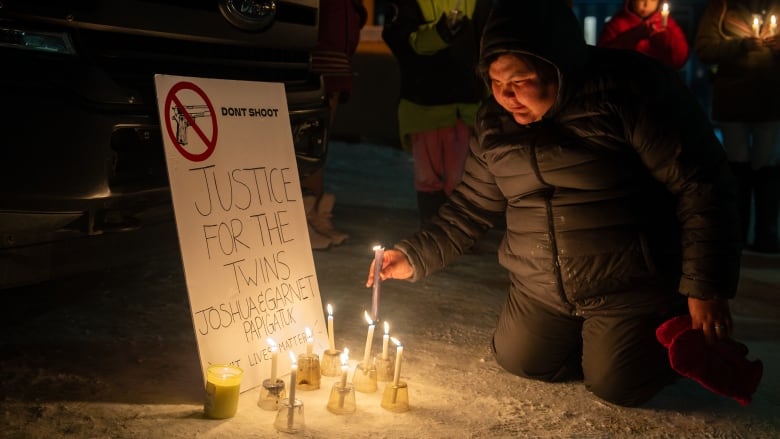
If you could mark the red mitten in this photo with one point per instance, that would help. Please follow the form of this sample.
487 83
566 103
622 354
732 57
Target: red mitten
720 368
670 329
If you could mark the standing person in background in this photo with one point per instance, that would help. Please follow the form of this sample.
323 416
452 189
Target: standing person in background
640 26
339 34
436 44
738 37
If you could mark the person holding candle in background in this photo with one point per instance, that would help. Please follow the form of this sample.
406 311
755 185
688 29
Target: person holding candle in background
647 27
738 39
618 203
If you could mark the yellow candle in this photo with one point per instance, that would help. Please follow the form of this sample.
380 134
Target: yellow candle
399 350
223 385
274 355
369 339
309 341
385 340
331 337
665 14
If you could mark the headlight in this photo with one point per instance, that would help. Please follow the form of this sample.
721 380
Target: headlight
50 42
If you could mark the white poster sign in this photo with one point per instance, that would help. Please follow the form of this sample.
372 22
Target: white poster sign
241 223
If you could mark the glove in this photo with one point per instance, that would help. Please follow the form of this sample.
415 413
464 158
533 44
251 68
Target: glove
720 368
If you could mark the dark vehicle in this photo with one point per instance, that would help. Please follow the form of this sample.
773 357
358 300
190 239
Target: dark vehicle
80 142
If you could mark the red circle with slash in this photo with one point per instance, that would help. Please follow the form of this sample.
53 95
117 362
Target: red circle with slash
210 143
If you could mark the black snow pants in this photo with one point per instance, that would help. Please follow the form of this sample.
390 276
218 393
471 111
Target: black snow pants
615 353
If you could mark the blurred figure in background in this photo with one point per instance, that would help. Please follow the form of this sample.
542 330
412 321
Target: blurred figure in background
641 26
436 44
739 37
339 34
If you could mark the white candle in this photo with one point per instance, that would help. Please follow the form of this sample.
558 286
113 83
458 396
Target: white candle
293 378
309 341
344 367
274 355
369 339
665 14
385 340
379 253
756 26
399 350
331 337
773 25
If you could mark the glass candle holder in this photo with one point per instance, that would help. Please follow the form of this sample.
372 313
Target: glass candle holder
308 377
223 383
271 394
342 399
364 379
396 397
289 418
385 367
331 363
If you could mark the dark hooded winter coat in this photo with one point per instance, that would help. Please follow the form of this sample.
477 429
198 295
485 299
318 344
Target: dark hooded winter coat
618 198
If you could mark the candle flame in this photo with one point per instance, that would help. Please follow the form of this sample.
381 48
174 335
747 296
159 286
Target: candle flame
378 247
330 310
387 327
308 333
345 357
755 21
368 318
396 341
272 343
293 359
665 7
773 20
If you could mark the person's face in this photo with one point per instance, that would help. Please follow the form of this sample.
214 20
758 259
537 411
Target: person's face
517 88
644 8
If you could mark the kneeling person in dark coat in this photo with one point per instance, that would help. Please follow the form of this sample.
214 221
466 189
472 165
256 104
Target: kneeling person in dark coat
618 203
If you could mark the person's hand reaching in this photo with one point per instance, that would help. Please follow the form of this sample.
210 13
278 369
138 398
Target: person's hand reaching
394 266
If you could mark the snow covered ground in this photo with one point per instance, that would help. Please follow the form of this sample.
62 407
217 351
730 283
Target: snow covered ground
109 350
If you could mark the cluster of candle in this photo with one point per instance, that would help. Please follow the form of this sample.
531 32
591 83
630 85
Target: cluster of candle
290 409
757 22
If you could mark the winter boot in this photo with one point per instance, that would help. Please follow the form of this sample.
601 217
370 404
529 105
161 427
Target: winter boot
320 219
743 173
428 204
767 190
318 240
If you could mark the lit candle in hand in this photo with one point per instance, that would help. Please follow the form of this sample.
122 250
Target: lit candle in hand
756 26
274 355
379 253
309 341
385 340
369 338
665 14
399 350
331 337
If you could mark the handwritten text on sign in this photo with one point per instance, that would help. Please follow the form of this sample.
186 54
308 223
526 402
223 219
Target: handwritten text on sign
240 219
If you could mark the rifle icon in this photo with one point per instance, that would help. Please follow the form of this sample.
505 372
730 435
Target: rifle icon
180 116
